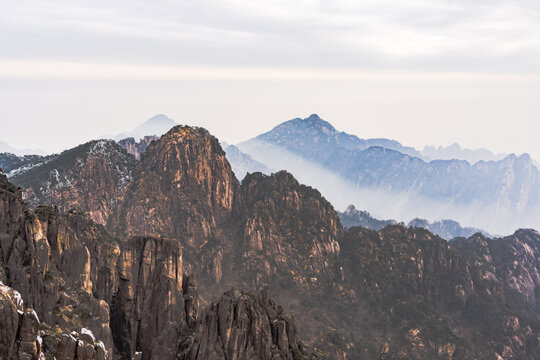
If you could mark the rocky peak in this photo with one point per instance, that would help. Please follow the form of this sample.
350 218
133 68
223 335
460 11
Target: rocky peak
89 177
183 186
225 330
418 223
287 227
310 126
353 217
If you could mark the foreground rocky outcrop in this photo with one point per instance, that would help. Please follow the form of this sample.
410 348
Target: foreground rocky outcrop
22 335
155 303
19 328
62 265
242 325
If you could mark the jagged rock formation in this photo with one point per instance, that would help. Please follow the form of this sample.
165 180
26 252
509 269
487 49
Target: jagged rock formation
393 293
506 277
22 336
506 267
183 188
63 265
426 300
353 217
242 325
89 177
149 311
405 283
19 328
74 266
136 148
290 233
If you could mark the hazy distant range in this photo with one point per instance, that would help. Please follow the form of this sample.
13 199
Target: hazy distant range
494 192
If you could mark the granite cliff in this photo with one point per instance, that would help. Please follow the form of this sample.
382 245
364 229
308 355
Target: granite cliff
361 294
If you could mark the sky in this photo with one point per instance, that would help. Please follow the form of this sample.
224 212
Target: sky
423 72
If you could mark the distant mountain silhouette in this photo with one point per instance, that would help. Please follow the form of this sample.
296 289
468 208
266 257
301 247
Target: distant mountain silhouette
242 163
6 148
157 125
455 151
383 175
447 229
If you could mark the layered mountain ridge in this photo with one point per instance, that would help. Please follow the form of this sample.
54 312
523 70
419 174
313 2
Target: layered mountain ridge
385 177
446 229
356 293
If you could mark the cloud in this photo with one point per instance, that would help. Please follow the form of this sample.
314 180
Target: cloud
28 69
440 34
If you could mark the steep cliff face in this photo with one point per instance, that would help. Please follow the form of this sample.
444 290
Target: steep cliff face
183 188
64 266
290 232
408 261
19 329
149 313
420 298
242 325
90 177
22 336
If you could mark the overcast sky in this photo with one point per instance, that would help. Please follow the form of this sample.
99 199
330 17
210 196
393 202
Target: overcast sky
424 72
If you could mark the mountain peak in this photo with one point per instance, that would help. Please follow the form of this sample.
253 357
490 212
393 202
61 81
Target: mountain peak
314 120
351 209
159 118
157 125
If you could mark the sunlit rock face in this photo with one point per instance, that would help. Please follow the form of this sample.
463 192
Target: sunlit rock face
393 293
64 266
183 188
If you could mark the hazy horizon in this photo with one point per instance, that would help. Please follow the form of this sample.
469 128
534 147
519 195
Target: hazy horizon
421 72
